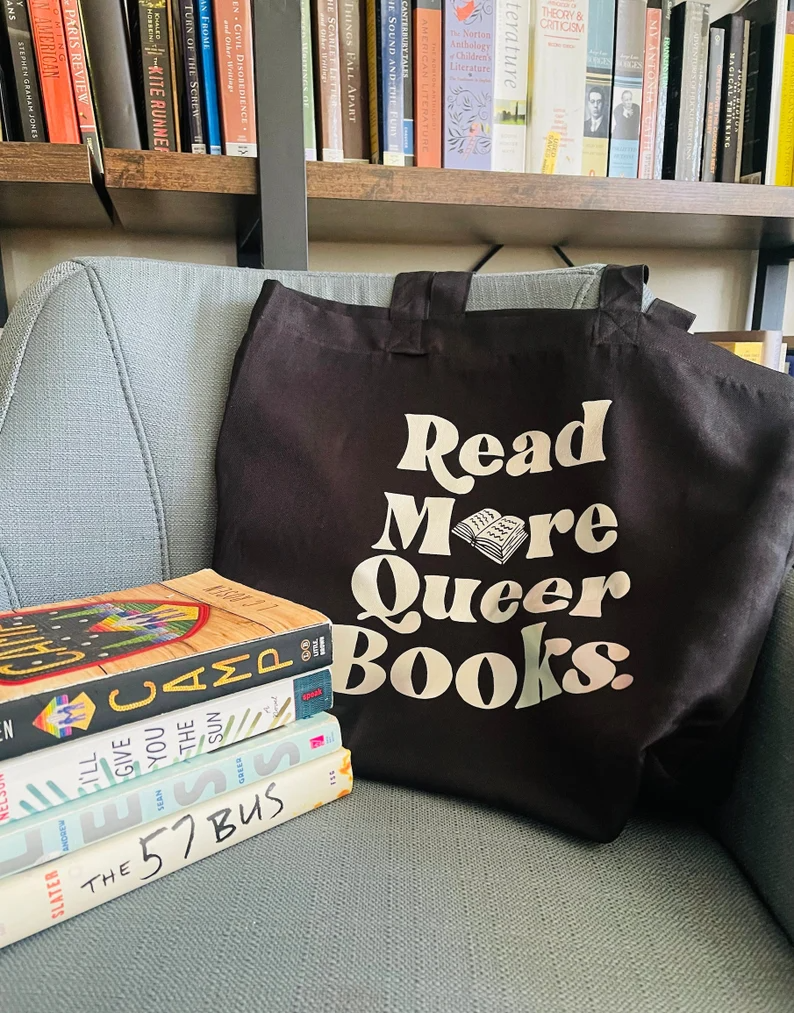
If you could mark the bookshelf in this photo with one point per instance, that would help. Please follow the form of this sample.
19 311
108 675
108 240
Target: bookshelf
206 195
51 186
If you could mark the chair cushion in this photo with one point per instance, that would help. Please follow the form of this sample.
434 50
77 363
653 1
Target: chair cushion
392 901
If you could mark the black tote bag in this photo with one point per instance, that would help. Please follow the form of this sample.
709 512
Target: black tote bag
551 540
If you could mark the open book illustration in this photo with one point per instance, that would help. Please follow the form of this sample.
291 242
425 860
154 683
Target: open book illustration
494 535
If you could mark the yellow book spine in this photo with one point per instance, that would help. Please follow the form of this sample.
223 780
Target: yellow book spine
784 165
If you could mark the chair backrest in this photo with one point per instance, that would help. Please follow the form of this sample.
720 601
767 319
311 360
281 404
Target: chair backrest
113 377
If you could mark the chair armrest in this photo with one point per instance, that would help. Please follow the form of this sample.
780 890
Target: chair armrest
757 822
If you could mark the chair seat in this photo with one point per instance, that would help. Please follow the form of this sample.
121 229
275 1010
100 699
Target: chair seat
395 901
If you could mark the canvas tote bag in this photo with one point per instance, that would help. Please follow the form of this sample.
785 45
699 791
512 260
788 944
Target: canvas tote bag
551 540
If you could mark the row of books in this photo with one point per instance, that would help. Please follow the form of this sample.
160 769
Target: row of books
634 88
144 730
167 75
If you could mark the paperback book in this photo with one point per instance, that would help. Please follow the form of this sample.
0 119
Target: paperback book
510 85
428 99
55 80
86 666
81 84
22 77
234 42
650 88
598 91
468 84
624 148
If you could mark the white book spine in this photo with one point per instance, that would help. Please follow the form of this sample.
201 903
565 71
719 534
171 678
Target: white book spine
777 88
510 85
51 893
559 68
49 777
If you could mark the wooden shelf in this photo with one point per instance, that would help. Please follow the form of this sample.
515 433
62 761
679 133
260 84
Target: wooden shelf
50 185
373 203
207 195
182 194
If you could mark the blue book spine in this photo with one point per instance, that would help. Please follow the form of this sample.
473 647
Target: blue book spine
468 84
209 79
85 821
391 84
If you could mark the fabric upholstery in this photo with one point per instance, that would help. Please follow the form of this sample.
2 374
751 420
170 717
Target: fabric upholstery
391 901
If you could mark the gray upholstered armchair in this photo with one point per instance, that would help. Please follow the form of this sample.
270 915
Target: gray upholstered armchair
112 384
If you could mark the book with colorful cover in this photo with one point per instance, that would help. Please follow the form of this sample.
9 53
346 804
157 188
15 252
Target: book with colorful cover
55 831
559 75
598 87
39 780
784 161
81 84
21 69
650 88
428 99
46 894
80 667
209 80
468 84
234 49
624 146
55 79
511 63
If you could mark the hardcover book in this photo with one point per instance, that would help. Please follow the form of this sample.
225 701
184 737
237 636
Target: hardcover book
89 665
107 50
650 89
729 152
234 42
598 90
510 85
81 84
624 148
54 77
428 99
21 72
36 781
307 70
209 78
468 84
355 106
328 80
39 897
50 833
711 128
153 29
683 148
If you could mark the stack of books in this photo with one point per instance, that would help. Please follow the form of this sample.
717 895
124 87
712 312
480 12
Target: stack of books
143 730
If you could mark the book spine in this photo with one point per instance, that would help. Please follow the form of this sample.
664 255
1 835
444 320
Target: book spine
329 81
729 153
374 81
105 33
776 90
309 128
598 89
468 84
23 67
355 109
157 82
688 77
650 92
81 86
190 67
173 49
624 147
209 77
511 63
36 781
784 162
55 79
708 171
664 78
427 83
390 84
49 893
99 705
750 141
407 70
47 835
235 53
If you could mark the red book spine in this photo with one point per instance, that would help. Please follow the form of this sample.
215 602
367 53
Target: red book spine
234 47
650 91
55 79
427 83
81 86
